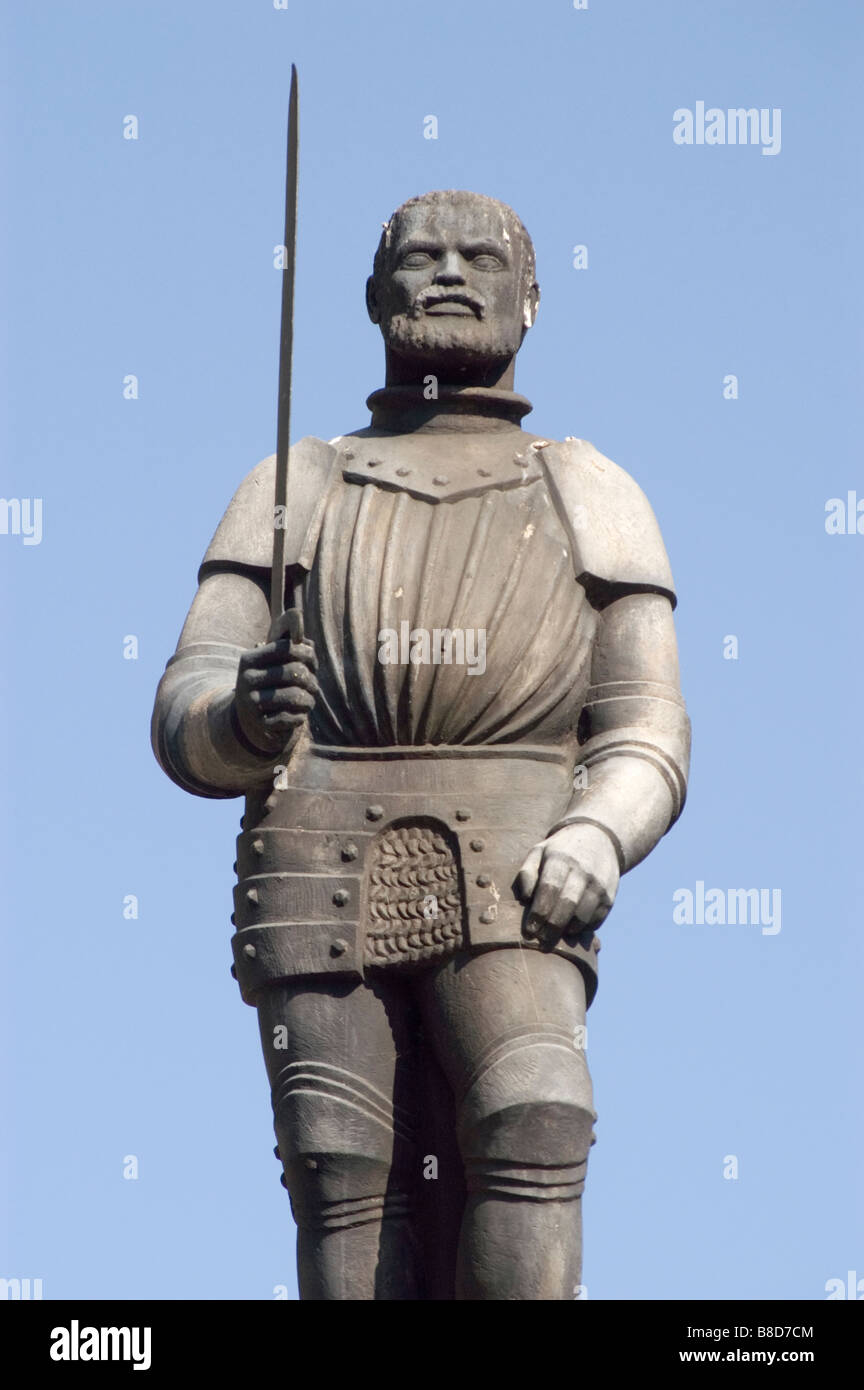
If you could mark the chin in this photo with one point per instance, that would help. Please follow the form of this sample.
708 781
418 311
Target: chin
450 343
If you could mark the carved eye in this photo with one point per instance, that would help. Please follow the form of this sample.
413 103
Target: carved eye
486 261
416 260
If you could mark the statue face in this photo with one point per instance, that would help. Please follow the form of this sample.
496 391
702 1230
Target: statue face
453 293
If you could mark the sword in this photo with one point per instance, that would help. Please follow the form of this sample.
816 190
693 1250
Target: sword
294 618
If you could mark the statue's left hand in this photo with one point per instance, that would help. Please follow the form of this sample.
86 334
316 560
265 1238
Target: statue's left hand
569 879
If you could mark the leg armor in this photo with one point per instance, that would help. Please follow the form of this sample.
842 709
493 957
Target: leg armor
347 1147
525 1117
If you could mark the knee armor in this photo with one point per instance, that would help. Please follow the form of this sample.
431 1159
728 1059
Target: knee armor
526 1117
345 1149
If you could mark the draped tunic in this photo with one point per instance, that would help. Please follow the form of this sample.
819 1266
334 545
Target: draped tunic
497 568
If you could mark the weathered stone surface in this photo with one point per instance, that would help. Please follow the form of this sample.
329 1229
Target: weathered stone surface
450 753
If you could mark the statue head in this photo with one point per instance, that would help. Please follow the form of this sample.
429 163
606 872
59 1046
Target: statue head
453 285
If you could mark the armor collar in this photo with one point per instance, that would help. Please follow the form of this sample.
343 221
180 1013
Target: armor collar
405 409
441 467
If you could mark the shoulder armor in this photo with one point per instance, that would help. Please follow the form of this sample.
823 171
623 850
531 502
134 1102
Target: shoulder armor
244 536
617 545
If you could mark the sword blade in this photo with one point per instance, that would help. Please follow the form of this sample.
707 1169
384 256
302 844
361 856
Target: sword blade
286 342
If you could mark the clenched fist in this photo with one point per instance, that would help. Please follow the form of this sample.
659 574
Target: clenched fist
570 881
276 687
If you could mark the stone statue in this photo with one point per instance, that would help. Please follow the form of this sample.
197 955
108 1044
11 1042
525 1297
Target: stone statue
476 730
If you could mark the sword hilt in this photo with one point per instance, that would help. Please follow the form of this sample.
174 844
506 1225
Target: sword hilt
288 624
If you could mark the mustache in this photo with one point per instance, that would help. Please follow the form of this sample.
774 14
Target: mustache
426 298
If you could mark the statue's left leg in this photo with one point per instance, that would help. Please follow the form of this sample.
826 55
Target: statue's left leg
507 1027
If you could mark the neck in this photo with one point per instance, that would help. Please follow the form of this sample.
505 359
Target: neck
404 371
402 409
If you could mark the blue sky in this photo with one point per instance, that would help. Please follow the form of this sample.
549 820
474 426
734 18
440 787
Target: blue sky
153 257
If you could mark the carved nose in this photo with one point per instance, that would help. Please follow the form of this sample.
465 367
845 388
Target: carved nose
449 271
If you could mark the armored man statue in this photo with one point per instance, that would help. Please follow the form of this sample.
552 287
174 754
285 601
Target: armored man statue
474 729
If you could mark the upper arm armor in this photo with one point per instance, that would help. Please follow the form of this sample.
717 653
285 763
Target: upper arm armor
617 546
244 536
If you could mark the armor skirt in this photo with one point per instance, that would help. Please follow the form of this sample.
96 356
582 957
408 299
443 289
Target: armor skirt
363 860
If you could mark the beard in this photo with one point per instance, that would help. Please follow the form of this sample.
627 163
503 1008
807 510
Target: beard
452 343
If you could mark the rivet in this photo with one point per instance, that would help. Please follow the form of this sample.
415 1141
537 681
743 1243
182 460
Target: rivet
348 454
250 951
251 895
341 896
373 463
485 472
483 880
311 1163
521 460
283 1180
257 846
349 851
478 845
234 866
374 812
440 480
338 947
233 971
463 813
487 917
276 1152
233 920
402 472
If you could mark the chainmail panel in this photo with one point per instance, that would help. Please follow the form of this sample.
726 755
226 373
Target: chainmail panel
415 903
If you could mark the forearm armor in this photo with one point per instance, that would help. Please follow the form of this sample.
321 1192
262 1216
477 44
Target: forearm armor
635 750
196 736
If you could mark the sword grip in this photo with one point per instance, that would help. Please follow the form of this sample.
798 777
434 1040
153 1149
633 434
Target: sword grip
288 624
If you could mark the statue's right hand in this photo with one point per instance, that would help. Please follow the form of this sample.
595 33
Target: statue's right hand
276 688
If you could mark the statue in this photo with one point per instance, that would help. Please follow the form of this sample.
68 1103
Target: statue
472 731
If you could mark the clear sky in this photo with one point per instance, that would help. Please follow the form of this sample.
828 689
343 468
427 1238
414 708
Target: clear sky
153 257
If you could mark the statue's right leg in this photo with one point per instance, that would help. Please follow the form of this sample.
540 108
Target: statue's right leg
340 1060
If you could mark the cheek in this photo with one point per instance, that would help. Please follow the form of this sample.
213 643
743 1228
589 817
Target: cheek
505 309
503 298
401 293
